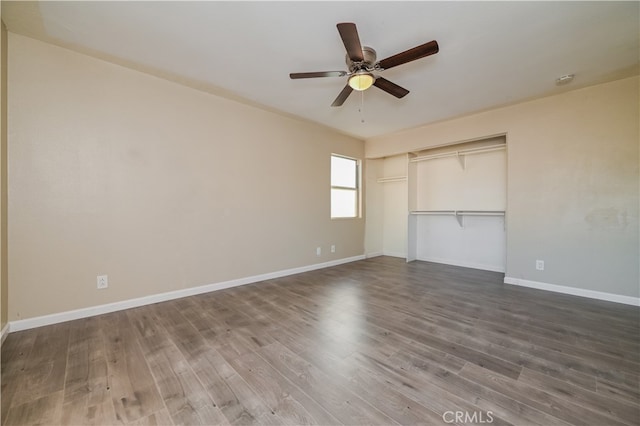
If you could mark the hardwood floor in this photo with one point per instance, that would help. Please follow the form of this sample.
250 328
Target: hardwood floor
372 342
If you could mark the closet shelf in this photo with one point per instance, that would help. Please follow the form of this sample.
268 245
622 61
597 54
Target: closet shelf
392 179
459 154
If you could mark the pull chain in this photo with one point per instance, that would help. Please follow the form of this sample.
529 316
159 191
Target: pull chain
361 109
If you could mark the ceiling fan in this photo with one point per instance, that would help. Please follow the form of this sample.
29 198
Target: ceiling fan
361 62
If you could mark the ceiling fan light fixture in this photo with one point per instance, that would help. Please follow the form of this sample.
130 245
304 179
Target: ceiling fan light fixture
361 63
361 80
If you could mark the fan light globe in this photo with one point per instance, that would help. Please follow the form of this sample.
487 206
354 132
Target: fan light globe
360 81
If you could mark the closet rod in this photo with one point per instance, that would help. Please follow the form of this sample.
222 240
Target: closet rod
459 153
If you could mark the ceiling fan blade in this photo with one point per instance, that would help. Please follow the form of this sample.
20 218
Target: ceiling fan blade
296 75
417 52
349 35
342 96
391 88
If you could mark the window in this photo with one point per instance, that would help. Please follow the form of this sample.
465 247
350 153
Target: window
345 178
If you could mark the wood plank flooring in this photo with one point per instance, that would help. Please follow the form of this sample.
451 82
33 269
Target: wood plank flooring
376 342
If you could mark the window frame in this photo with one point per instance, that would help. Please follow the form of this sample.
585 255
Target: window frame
357 188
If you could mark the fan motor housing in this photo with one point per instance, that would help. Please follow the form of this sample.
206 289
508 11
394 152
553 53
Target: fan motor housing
369 55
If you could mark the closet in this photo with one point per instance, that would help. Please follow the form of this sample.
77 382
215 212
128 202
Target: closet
456 202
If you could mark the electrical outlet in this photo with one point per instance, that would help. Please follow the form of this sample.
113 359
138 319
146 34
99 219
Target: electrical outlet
103 281
318 251
540 265
333 249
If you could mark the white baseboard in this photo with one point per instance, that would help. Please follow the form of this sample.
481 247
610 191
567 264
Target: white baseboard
162 297
4 333
374 254
493 268
591 294
394 254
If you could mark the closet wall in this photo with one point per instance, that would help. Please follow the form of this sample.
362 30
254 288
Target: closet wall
386 204
457 201
394 194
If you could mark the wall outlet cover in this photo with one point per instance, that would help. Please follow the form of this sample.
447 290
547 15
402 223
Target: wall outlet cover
103 281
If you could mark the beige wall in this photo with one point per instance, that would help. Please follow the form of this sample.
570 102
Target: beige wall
162 187
573 182
3 177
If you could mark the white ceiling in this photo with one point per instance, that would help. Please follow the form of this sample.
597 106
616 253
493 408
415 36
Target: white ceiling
491 53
